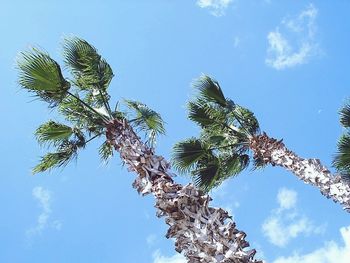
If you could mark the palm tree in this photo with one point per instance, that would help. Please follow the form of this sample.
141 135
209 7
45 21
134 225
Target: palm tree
230 138
202 233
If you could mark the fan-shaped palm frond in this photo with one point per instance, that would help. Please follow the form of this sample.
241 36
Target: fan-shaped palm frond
89 69
53 133
342 157
106 151
345 116
146 120
234 164
211 170
40 74
206 115
91 72
206 173
210 90
247 119
187 153
66 151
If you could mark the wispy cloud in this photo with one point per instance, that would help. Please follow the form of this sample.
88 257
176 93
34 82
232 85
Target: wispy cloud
285 223
216 7
287 198
331 252
44 198
159 258
294 41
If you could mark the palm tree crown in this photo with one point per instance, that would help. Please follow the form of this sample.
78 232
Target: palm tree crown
230 138
342 158
222 149
82 100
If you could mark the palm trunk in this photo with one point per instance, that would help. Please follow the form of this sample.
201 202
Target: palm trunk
311 171
201 232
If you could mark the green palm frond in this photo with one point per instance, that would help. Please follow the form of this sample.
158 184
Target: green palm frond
53 133
258 164
205 176
40 74
74 111
90 70
187 153
247 119
206 115
65 153
212 170
235 164
342 157
209 90
345 116
146 119
106 151
217 140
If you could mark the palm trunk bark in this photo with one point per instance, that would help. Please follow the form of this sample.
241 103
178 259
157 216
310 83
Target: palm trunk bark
201 233
311 171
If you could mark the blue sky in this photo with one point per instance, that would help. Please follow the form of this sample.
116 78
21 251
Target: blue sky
285 60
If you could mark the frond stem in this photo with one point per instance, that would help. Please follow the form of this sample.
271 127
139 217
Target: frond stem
94 137
108 108
88 106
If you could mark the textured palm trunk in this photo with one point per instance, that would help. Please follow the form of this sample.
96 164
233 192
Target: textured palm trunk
311 171
203 234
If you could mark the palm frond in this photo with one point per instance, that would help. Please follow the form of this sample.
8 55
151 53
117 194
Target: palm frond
216 140
258 164
247 119
206 173
74 111
345 116
90 70
235 164
53 133
342 158
106 151
40 74
209 90
66 152
146 119
212 170
205 115
187 153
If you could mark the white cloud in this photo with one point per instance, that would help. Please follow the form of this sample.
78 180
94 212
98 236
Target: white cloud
285 223
296 44
177 258
286 198
216 7
331 252
44 197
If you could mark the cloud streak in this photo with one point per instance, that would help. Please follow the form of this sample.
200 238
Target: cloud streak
44 198
216 7
293 42
331 252
159 258
285 223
